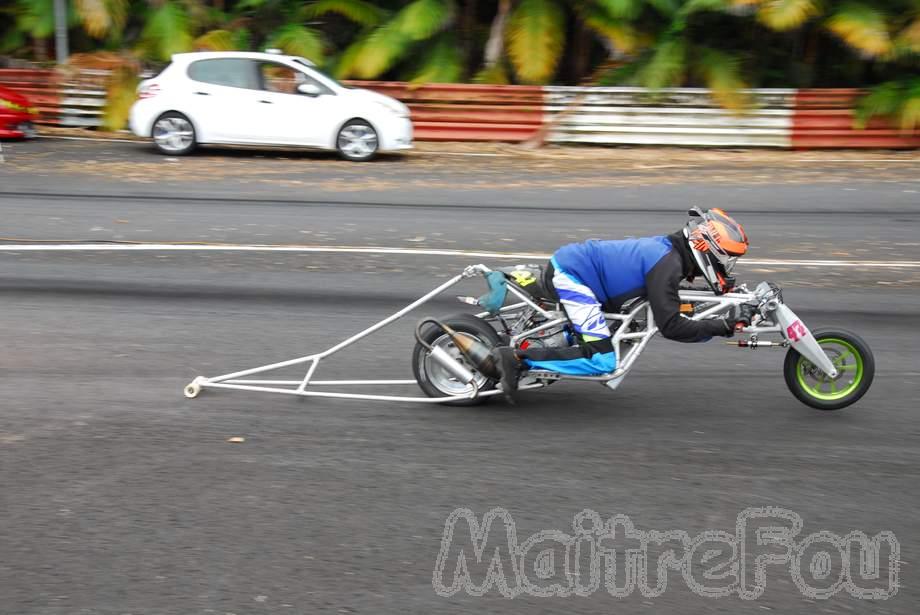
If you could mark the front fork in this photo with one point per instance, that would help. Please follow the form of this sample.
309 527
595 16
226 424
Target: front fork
800 338
796 335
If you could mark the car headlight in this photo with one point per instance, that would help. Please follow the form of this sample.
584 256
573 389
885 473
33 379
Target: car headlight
393 107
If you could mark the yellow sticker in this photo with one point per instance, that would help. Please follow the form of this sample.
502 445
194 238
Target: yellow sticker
523 277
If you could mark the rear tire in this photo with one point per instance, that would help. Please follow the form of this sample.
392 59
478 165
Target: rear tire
853 360
174 134
432 378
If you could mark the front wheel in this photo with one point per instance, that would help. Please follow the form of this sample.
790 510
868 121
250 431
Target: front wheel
357 141
855 366
436 381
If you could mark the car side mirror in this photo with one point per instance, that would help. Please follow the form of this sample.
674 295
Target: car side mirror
309 89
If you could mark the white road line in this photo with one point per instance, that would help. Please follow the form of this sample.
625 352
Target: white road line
192 247
914 160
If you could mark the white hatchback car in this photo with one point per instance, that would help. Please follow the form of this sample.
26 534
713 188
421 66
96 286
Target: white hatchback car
250 98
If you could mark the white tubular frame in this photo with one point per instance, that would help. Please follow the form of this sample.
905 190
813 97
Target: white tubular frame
625 361
637 342
239 382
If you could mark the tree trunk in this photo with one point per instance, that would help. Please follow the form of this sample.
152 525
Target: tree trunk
496 42
581 52
572 106
468 32
40 49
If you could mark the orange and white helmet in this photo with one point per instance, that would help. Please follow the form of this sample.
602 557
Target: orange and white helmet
716 241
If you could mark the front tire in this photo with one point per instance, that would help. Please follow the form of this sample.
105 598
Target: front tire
174 134
433 379
853 360
357 141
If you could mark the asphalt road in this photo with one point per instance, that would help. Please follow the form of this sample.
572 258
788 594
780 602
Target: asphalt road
120 496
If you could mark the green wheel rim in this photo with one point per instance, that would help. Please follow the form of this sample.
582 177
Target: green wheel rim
849 363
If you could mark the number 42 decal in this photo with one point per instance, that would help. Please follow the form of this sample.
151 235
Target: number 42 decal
796 331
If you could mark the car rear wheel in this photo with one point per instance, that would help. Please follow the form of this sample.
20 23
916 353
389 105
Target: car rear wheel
357 141
174 134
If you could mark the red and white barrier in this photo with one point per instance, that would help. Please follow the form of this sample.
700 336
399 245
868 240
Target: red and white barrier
779 118
682 116
824 119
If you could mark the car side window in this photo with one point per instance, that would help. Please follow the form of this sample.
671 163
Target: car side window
230 72
284 79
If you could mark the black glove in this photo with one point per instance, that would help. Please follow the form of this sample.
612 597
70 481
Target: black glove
738 317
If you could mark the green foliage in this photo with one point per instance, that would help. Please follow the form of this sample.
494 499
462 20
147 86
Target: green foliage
441 62
536 35
621 9
36 18
862 27
358 11
167 32
666 67
122 92
721 72
379 50
421 19
217 40
783 15
621 34
299 40
725 45
99 17
497 74
896 100
344 65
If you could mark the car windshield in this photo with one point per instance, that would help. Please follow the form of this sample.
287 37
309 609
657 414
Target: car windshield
322 74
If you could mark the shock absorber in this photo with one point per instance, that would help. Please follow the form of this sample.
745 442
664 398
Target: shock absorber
756 343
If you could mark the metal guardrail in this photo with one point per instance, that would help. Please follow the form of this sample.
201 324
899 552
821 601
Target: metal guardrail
782 118
824 119
684 117
39 86
468 112
63 98
83 97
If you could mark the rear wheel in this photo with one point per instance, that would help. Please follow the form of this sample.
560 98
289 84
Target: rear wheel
173 134
855 366
436 381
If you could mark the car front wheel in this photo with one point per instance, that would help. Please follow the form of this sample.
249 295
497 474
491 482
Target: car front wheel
174 134
357 140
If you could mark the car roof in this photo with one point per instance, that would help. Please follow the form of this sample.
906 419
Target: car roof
246 55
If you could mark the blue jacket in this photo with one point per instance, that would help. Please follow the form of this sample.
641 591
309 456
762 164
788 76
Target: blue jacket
650 267
614 270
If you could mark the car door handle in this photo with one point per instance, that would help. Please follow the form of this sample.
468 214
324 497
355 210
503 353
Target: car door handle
266 102
203 93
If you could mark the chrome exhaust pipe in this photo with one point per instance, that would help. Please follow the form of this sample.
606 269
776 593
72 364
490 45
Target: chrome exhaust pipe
452 365
477 353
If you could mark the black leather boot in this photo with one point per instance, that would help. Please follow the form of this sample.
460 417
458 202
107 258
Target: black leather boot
510 368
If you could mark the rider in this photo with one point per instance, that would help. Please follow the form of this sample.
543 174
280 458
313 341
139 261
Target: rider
595 276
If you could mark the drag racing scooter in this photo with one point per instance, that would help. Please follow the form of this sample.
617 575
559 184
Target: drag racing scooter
827 369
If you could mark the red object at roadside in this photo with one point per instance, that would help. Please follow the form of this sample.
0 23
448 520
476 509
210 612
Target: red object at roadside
17 115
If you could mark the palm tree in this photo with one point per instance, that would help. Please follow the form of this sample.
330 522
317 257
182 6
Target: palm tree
887 32
167 30
536 31
419 30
